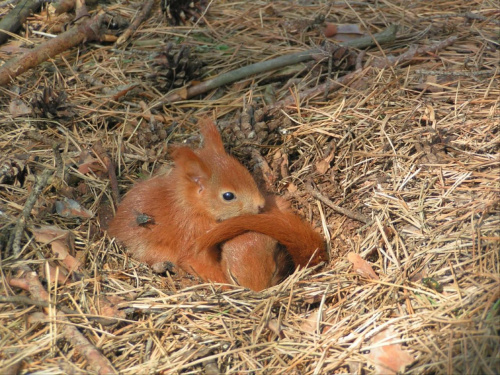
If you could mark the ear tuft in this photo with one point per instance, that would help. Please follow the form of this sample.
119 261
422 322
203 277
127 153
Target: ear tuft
191 165
211 135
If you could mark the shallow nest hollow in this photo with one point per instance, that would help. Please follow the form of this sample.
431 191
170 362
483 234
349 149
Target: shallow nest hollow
412 147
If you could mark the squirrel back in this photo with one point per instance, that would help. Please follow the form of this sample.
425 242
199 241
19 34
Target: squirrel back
255 261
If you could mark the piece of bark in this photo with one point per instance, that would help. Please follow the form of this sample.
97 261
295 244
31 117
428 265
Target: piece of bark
84 32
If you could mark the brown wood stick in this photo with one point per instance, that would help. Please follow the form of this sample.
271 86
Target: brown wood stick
84 32
265 66
143 15
15 238
344 211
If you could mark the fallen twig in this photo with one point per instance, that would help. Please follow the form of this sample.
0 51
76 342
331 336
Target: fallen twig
84 32
15 238
385 62
381 63
55 147
16 17
143 15
265 66
344 211
100 364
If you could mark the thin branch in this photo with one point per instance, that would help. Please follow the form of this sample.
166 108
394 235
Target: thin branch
344 211
102 154
84 32
16 17
15 239
143 15
264 66
343 81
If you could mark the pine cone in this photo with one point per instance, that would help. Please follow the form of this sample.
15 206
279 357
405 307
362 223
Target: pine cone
51 103
175 68
182 12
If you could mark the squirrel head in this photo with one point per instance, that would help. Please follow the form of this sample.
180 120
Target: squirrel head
215 182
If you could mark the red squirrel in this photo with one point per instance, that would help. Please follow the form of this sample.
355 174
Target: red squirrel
160 219
205 187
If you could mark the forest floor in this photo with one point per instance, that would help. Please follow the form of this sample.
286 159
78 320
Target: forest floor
410 145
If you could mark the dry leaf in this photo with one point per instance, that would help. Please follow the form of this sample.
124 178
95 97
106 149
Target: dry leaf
292 188
60 273
310 324
62 245
389 358
18 108
87 163
71 208
107 309
324 164
361 266
276 327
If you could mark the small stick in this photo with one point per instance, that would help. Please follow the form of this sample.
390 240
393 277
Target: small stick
143 15
95 359
55 147
102 154
15 238
386 62
344 211
24 300
85 32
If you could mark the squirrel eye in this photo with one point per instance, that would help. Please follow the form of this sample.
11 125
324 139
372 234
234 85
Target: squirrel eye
228 196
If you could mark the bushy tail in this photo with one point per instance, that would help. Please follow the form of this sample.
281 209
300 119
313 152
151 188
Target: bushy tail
304 244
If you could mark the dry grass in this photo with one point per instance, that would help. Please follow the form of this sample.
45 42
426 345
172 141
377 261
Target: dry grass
415 148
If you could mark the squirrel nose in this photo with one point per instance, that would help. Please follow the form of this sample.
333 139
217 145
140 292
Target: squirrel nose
260 208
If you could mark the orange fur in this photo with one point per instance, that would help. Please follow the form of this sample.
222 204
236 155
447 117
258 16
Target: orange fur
252 260
255 261
303 243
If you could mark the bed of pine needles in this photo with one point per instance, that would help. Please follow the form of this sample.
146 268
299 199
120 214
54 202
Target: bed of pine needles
414 148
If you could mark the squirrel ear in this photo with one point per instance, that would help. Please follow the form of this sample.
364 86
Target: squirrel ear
211 135
192 166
